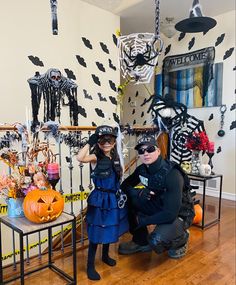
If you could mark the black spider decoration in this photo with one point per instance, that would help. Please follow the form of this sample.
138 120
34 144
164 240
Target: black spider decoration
161 106
140 59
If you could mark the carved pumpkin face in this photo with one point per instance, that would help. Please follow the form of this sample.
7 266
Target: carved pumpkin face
41 206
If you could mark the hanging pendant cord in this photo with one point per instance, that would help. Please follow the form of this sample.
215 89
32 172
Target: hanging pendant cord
157 18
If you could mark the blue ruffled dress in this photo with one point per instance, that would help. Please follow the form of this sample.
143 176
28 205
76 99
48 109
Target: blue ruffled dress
105 220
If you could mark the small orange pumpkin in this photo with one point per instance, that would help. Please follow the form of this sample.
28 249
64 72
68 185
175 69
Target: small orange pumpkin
198 214
42 206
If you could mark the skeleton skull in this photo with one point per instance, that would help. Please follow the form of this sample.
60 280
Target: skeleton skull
55 78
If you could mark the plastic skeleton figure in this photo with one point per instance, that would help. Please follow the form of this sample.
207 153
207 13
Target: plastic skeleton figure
54 88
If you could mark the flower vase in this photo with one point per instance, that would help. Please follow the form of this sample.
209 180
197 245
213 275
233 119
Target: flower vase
196 162
15 207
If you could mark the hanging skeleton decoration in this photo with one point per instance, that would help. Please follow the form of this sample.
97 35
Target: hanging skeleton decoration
138 53
55 90
172 117
53 4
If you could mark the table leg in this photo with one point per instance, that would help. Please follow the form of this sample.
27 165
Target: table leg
74 249
1 274
22 277
49 246
203 204
221 182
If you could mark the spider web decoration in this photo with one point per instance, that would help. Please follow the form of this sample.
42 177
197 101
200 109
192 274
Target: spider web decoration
179 152
138 55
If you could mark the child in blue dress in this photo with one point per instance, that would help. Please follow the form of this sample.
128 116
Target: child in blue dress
106 215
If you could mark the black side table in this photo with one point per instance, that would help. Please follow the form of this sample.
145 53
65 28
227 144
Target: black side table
24 227
203 180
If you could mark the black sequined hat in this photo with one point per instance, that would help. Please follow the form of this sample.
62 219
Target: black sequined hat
196 22
106 130
146 140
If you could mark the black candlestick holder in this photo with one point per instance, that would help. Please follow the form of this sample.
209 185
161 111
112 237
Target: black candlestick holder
53 182
210 155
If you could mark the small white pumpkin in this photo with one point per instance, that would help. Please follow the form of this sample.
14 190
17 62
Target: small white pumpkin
205 169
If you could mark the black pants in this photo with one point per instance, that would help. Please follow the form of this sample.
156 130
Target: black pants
164 236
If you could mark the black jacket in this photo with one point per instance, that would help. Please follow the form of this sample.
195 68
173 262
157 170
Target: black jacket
165 205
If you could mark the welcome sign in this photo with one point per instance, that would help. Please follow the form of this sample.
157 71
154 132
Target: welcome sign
192 79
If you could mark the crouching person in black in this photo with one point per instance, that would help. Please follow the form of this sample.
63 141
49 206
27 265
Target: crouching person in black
159 203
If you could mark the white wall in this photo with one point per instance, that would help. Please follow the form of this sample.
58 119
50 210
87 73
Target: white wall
224 162
26 30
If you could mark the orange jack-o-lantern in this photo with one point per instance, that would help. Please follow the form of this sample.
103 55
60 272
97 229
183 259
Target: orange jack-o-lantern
198 214
41 206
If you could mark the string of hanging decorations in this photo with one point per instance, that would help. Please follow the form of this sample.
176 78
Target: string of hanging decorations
138 52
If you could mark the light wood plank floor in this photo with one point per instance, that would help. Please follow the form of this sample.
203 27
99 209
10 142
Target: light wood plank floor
210 260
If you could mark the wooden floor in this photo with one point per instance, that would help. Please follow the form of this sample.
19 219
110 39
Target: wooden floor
210 260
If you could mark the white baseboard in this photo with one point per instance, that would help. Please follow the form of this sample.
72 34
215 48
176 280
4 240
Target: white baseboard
214 193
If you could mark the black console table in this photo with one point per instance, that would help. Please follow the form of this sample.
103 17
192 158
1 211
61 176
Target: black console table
203 180
24 227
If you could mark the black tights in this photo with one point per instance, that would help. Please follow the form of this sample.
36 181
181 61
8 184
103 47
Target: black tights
91 271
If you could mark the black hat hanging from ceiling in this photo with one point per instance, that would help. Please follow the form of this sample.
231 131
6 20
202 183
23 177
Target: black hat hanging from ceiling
196 22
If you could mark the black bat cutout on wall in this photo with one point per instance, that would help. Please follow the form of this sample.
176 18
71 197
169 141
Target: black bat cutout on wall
102 98
104 47
86 95
116 118
100 66
167 50
35 60
210 117
142 114
82 111
114 38
219 40
234 68
228 53
133 112
70 74
218 149
181 36
81 61
233 107
99 113
93 124
113 100
96 80
144 102
144 123
136 95
191 43
87 43
112 85
129 100
111 64
233 125
134 122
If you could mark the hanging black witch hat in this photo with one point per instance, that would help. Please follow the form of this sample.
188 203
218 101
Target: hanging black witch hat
196 22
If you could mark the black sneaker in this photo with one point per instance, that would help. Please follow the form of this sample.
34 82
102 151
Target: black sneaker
179 252
182 249
131 247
